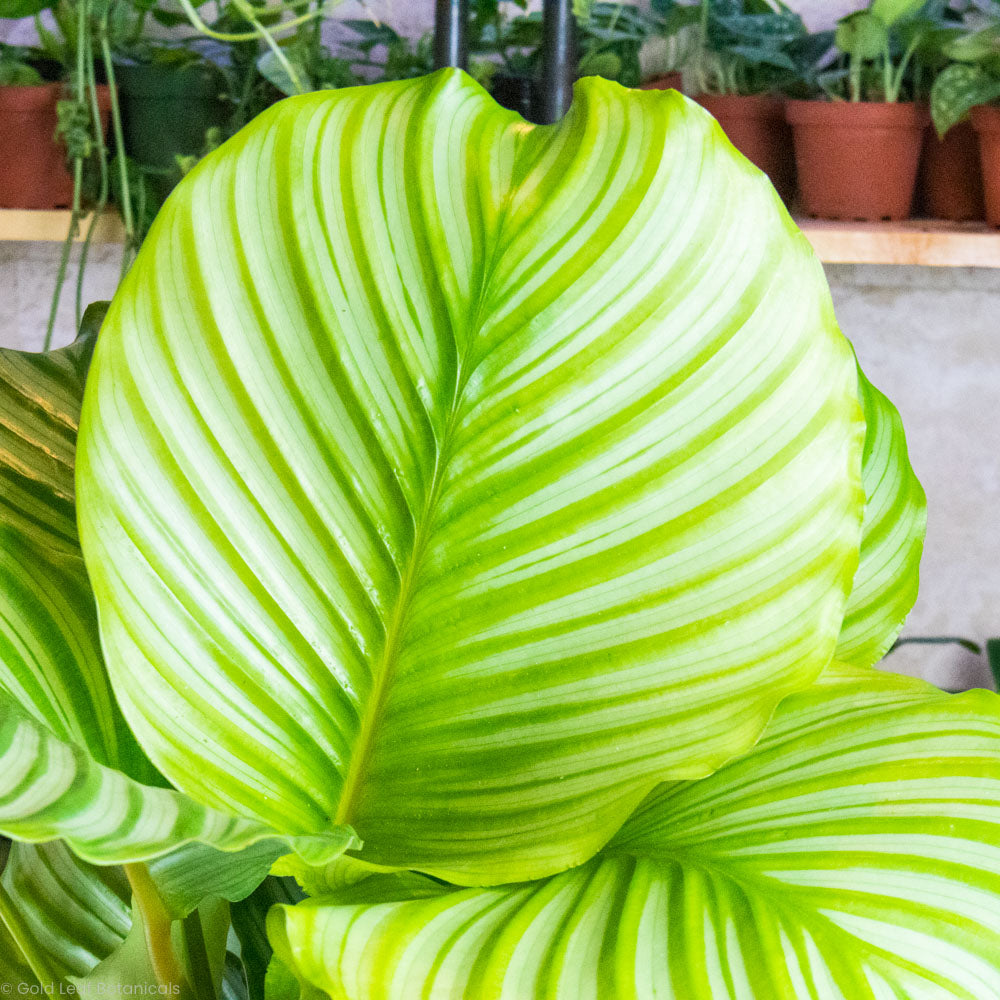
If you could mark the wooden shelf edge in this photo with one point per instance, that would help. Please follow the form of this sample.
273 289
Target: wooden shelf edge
916 242
21 225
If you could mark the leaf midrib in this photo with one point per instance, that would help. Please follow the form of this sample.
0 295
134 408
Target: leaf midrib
365 742
361 754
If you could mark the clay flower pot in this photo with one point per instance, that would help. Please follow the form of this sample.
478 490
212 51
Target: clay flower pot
33 170
756 126
951 180
669 81
986 122
857 160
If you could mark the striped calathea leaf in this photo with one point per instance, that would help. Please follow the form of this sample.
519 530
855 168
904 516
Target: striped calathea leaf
458 480
71 768
440 475
73 778
14 969
851 855
67 915
885 583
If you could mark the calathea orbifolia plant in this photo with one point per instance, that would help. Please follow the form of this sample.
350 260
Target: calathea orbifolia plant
489 527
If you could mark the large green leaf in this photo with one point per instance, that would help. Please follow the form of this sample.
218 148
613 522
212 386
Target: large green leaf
14 969
862 35
891 11
50 657
69 767
66 915
892 537
50 789
457 479
853 855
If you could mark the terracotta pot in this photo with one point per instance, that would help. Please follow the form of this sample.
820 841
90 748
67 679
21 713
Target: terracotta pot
756 126
33 171
857 160
986 122
669 81
951 180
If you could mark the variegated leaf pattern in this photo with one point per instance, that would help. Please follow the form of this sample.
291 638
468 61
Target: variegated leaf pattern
50 790
66 915
854 854
892 537
457 479
14 969
50 656
69 767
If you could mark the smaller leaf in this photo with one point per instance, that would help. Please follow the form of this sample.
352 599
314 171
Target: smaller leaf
862 35
67 915
892 536
195 871
975 46
891 11
348 880
273 70
51 789
762 55
957 89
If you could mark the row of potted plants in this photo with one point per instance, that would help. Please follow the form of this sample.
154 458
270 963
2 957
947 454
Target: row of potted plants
849 111
858 99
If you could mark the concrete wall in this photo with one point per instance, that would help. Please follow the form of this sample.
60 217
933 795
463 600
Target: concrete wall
928 338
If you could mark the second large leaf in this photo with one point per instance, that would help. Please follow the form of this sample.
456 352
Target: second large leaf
458 479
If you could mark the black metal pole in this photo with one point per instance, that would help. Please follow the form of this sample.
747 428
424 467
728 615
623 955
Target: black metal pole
450 18
559 60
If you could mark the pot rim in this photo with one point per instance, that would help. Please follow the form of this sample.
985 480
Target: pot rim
32 98
986 118
194 81
749 106
860 114
673 80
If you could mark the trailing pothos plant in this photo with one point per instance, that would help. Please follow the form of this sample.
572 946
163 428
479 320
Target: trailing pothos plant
486 527
81 40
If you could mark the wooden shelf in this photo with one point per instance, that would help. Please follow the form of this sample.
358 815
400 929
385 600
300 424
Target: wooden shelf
923 242
23 225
